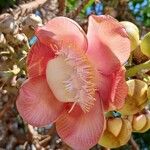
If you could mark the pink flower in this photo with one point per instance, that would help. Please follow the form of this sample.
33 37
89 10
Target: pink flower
73 78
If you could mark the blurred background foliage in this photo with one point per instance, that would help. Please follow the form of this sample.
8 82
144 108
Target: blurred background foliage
140 9
7 3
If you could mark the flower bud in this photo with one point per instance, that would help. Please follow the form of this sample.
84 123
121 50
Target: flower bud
140 122
136 99
117 133
145 45
114 126
133 33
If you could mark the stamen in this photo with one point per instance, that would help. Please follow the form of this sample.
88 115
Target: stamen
78 79
72 107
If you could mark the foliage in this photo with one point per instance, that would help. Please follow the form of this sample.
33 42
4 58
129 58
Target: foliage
6 3
141 11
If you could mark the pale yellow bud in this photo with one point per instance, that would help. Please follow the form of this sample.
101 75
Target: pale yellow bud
147 126
114 126
145 45
136 98
117 133
133 33
139 122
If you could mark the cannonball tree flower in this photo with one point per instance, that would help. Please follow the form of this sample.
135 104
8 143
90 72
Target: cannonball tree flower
73 78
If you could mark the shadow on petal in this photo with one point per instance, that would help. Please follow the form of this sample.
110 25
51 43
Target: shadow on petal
37 104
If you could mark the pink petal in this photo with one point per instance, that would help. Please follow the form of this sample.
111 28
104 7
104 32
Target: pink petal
37 104
113 89
37 59
108 43
82 130
62 30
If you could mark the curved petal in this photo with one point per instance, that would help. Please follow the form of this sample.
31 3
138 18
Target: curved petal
113 89
37 59
37 104
82 130
108 43
62 30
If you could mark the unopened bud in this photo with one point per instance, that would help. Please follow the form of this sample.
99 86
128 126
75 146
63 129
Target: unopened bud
136 99
117 133
114 126
139 122
133 33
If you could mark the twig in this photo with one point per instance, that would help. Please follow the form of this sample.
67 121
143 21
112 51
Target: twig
61 7
135 69
36 138
7 107
134 144
24 9
77 10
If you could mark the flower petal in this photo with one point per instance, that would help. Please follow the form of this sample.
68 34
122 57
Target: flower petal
62 30
108 43
113 89
37 104
82 130
37 59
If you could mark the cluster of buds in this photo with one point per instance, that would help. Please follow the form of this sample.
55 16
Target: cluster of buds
140 122
134 116
137 97
117 133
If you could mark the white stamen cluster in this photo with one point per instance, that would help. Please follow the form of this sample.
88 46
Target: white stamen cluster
82 80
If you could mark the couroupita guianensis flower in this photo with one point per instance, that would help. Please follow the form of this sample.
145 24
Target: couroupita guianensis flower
73 78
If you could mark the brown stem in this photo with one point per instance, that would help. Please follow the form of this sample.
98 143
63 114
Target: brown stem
77 10
61 7
134 144
24 9
7 106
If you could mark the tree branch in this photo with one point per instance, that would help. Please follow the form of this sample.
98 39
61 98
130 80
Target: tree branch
24 9
134 144
61 7
77 10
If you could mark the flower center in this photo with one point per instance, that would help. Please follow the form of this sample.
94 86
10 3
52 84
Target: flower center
71 77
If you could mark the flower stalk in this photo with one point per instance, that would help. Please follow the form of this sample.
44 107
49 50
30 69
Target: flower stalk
135 69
